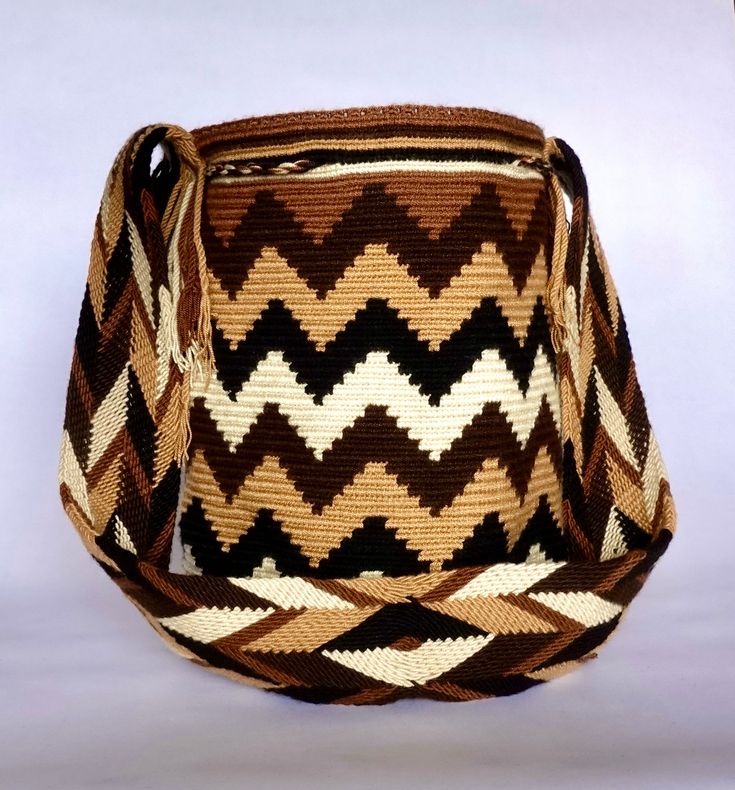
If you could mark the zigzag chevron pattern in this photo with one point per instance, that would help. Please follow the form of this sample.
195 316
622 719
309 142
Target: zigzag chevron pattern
376 381
419 460
374 490
378 328
327 358
376 436
375 216
433 319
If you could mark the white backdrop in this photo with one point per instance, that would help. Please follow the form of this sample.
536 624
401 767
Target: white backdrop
644 90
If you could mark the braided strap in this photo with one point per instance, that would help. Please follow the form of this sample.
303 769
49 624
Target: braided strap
451 635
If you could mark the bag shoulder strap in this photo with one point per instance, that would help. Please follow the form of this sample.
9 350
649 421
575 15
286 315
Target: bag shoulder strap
617 493
145 326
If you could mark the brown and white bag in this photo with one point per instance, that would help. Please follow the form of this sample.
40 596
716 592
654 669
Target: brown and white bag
361 369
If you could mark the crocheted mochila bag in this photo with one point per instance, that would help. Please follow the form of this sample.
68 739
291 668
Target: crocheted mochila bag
360 370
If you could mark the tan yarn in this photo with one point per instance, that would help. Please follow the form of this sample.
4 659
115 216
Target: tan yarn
382 387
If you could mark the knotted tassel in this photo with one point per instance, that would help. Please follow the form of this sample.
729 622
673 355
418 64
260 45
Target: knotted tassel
557 161
189 332
556 284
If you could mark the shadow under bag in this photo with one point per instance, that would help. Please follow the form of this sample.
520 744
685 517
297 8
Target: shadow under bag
360 372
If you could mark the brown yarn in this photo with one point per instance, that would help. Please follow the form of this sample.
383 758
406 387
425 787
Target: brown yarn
416 458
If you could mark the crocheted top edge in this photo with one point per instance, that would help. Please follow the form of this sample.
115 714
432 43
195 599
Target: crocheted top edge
434 120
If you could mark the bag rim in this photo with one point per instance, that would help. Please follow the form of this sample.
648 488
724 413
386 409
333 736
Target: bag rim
503 130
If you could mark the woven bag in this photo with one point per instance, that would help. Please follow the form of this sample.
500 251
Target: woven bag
360 370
